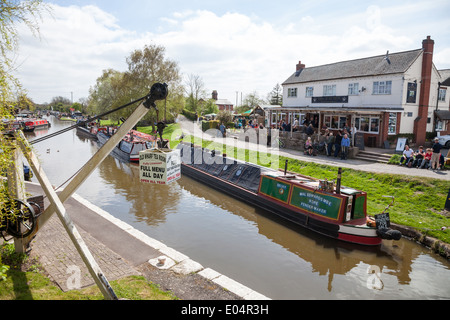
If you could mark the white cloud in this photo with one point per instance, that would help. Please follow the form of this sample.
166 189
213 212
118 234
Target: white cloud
232 52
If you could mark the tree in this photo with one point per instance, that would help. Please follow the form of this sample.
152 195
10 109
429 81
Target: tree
12 14
252 100
276 95
195 91
148 66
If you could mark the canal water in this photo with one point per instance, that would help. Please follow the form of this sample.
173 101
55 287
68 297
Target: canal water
264 253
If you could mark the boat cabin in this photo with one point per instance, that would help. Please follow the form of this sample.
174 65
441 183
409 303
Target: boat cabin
316 198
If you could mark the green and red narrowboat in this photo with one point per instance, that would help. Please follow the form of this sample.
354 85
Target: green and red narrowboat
319 205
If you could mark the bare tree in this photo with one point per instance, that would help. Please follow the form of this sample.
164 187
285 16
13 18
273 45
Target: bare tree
195 91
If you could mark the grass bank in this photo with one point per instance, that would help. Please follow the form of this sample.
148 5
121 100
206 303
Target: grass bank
419 202
24 279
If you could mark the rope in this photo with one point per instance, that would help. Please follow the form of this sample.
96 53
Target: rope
83 122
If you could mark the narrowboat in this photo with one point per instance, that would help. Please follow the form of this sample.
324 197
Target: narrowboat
88 130
322 206
29 125
129 147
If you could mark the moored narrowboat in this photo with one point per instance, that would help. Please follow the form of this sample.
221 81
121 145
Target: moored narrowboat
322 206
29 125
129 147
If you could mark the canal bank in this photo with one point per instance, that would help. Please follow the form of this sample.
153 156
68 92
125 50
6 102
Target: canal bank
120 251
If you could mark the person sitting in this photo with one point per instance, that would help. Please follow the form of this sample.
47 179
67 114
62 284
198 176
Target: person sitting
419 156
309 146
426 159
407 156
310 130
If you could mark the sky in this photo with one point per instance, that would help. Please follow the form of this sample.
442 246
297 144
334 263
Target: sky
235 47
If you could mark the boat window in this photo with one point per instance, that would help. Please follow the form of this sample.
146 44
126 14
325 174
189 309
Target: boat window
138 147
125 146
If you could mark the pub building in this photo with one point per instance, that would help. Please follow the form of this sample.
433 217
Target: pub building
384 96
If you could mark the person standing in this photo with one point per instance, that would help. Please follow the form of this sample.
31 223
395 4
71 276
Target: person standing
337 143
330 142
345 144
436 154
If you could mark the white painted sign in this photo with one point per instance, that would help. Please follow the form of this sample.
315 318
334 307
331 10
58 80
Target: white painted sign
159 166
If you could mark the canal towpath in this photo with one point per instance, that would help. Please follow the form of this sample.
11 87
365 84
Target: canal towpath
191 128
121 251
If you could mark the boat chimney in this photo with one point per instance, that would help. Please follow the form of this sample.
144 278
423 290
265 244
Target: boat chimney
338 182
285 167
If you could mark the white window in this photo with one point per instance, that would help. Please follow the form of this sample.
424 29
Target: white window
353 89
292 92
309 91
329 90
382 87
442 93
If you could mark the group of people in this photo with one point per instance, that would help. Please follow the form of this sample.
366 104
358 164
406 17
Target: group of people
430 159
340 143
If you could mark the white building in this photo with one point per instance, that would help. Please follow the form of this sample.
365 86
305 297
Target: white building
384 96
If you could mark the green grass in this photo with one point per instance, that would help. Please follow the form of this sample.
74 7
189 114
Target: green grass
419 202
25 281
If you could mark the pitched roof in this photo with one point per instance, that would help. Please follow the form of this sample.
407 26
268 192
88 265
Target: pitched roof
378 65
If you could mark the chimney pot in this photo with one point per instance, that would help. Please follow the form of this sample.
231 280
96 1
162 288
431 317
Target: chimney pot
300 66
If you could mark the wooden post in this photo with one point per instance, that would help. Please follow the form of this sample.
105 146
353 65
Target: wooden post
72 231
16 186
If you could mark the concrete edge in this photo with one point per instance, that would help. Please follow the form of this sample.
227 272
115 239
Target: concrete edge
175 261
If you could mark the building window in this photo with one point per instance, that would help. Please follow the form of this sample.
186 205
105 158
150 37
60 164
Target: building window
368 124
392 128
292 92
412 92
309 91
353 89
335 122
329 90
442 93
382 87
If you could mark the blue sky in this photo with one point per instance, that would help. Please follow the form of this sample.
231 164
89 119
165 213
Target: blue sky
239 47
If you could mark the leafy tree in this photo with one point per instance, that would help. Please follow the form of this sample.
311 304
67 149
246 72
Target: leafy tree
209 107
12 14
148 66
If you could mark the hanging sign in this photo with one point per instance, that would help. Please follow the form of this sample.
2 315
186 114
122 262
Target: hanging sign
159 166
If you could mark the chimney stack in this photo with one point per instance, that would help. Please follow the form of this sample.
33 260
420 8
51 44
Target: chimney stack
420 123
300 66
215 95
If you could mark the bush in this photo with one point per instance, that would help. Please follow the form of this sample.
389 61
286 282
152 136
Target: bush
189 114
213 124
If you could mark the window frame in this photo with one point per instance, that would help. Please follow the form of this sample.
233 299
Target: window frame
353 89
326 90
382 87
292 92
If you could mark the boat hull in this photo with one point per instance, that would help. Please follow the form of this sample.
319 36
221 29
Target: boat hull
357 233
362 235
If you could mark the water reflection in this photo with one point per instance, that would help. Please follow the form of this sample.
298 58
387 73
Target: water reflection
261 251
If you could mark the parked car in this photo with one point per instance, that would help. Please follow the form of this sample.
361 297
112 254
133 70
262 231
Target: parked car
445 140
